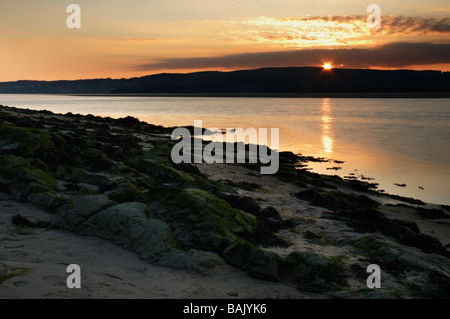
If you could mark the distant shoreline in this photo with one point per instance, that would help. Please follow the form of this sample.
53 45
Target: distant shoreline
280 95
380 95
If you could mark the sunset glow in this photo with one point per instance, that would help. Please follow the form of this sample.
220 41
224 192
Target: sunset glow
118 40
327 66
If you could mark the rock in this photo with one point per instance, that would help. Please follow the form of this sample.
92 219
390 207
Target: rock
23 178
34 222
95 159
367 220
437 286
128 122
307 194
431 213
14 170
237 254
263 265
157 164
31 142
193 260
200 219
47 200
311 271
9 147
125 192
268 220
245 203
130 225
79 210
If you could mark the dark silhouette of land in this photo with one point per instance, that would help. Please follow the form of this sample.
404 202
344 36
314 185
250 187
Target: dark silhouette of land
291 81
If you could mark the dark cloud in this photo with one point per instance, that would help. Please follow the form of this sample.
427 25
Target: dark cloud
396 55
421 25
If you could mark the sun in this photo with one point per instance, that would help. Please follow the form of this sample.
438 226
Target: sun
327 66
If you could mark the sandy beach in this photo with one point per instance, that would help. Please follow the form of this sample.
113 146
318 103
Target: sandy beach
108 270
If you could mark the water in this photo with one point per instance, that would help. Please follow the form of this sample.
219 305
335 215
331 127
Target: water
404 141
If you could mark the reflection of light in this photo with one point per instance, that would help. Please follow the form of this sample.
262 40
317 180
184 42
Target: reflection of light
327 140
327 144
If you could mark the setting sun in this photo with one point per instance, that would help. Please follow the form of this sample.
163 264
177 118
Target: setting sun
327 66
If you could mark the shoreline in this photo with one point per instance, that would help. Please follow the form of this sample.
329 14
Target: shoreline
113 179
381 95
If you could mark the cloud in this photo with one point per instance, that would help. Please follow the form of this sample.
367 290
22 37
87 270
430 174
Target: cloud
333 30
393 55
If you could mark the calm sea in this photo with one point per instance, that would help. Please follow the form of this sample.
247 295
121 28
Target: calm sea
403 141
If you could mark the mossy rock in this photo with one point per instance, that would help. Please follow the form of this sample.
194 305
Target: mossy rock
30 141
237 254
47 200
95 159
15 169
79 210
313 272
157 164
125 192
394 257
264 265
130 225
200 219
24 179
163 173
192 260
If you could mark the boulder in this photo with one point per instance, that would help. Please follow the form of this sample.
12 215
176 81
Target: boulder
130 225
200 219
125 192
237 254
263 265
311 271
79 210
193 260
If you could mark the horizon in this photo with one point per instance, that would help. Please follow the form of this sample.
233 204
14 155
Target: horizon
218 71
116 40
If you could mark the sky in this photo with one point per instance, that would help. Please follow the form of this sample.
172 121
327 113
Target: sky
123 39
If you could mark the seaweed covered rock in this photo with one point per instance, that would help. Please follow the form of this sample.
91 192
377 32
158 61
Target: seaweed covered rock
95 159
130 225
193 260
311 271
31 142
237 254
336 200
125 192
263 265
200 219
24 179
368 220
79 210
157 164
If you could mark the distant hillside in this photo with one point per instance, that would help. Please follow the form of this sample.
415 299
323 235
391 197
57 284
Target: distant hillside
266 80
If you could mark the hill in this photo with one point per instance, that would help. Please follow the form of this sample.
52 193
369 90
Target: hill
295 80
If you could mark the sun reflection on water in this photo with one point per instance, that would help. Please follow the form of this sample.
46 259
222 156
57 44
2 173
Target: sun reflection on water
327 140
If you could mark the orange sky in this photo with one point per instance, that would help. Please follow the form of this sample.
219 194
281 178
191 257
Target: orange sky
134 38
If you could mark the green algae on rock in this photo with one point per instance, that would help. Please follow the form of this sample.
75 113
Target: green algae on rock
131 225
200 219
